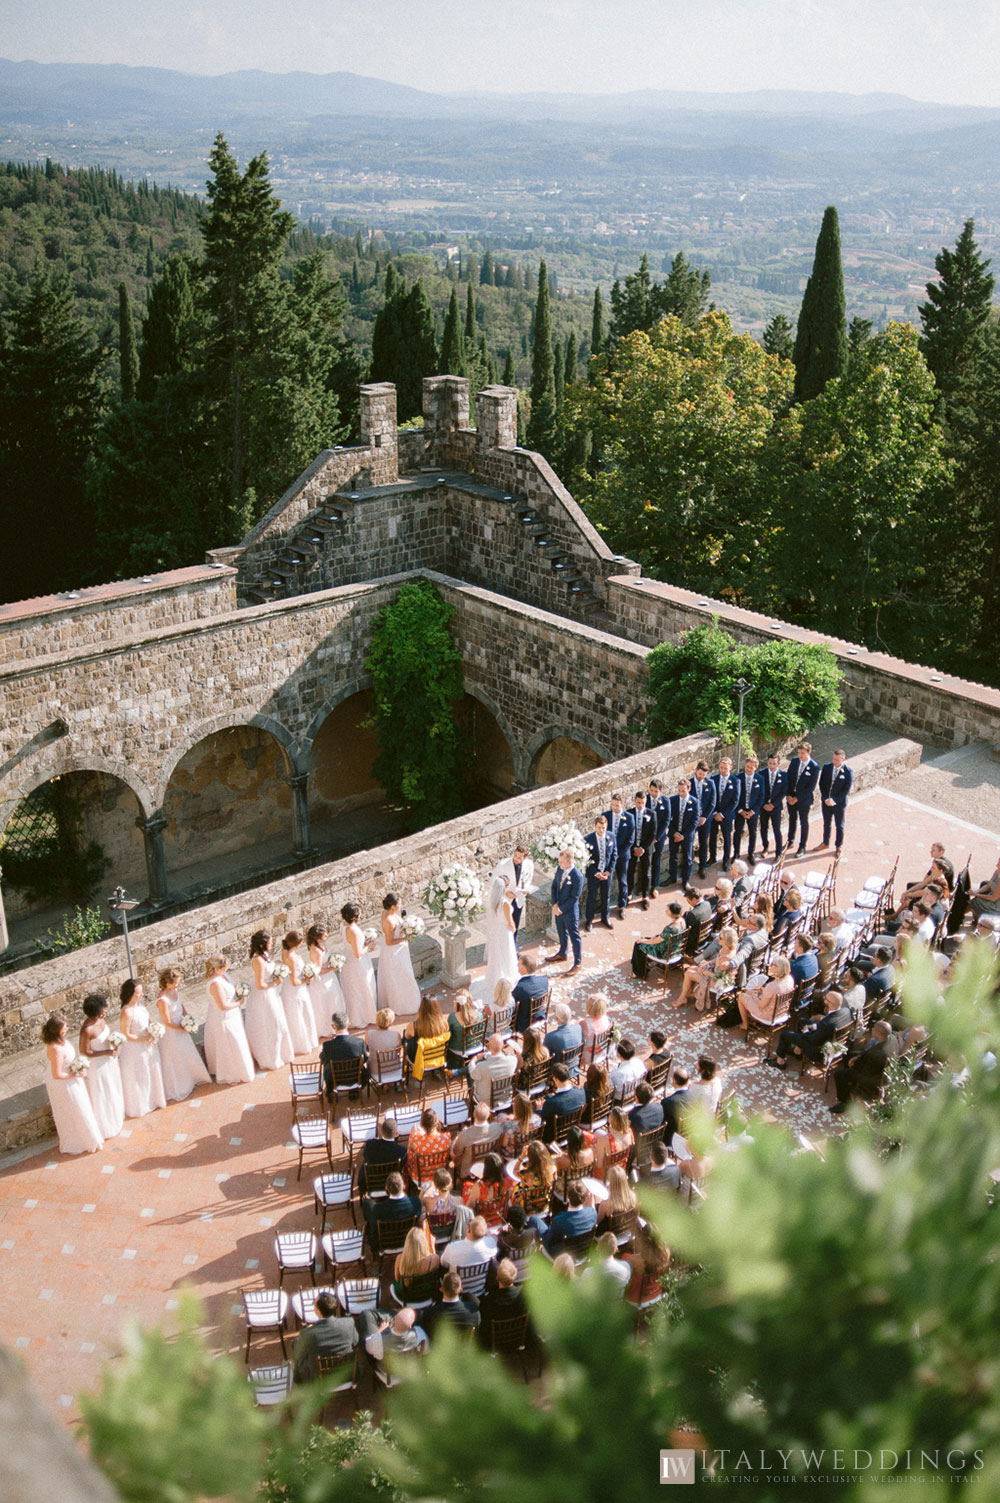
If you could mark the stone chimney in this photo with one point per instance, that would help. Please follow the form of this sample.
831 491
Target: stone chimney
378 431
496 418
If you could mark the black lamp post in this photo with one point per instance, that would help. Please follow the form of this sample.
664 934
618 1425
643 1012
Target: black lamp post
121 906
742 687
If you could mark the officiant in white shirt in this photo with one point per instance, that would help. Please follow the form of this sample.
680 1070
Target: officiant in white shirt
518 871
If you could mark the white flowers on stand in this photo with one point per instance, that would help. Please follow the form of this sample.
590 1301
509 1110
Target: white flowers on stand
455 896
548 847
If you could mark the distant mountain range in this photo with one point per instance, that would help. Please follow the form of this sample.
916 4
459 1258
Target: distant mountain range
87 94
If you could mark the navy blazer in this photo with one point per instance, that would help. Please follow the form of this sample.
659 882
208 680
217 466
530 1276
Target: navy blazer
726 794
748 797
683 815
835 783
602 853
659 806
625 827
778 796
644 828
705 793
525 992
801 784
567 893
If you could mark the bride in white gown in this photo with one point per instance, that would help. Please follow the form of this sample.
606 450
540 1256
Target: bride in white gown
501 951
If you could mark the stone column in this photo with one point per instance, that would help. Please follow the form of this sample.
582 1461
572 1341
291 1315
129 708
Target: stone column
156 856
454 970
378 430
496 418
299 784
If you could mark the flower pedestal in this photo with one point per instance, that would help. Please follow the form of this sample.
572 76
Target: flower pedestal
538 909
454 970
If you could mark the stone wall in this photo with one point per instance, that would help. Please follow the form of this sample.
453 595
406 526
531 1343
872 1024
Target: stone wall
905 698
479 839
50 624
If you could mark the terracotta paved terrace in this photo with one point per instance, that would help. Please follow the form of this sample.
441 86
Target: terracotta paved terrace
191 1197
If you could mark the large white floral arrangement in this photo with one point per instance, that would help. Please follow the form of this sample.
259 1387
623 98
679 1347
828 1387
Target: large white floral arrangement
455 895
548 847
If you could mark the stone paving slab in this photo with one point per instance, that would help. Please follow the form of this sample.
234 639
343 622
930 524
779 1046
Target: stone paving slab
192 1196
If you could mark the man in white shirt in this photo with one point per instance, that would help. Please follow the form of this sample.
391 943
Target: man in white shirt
475 1247
497 1063
518 871
474 1141
843 933
628 1071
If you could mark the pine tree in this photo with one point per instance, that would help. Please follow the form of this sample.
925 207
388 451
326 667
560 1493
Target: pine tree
452 359
404 349
821 338
597 324
684 293
956 315
632 305
778 338
541 432
572 360
171 328
128 354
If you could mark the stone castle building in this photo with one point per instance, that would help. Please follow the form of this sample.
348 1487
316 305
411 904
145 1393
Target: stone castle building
208 711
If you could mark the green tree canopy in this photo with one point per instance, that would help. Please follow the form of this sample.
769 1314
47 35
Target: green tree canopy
821 336
956 314
779 337
541 433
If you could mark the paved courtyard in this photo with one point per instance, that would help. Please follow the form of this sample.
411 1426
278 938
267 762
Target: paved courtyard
192 1196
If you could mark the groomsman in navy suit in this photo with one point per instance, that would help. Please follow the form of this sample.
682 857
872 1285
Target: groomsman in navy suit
567 885
600 870
726 793
772 782
703 790
682 826
657 803
621 828
800 786
835 783
643 841
748 801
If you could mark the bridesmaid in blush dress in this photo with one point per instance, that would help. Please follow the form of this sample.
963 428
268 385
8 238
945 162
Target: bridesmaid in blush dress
179 1058
295 998
142 1078
71 1109
266 1028
397 985
226 1047
325 991
104 1076
357 979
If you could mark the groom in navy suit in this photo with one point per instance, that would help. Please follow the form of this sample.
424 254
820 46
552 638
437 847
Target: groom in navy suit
567 885
835 783
800 786
772 782
600 869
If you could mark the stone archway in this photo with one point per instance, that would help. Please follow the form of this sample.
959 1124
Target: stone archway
491 749
558 753
339 756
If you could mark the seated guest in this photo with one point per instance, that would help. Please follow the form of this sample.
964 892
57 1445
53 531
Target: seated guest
740 872
519 1124
462 1016
505 1301
535 1173
617 1137
790 917
721 902
429 1024
628 1071
475 1140
395 1205
578 1160
649 1261
342 1046
517 1239
657 1049
383 1149
804 964
564 1268
753 943
460 1311
786 885
855 995
661 1170
703 976
488 1195
621 1197
862 1071
675 1103
660 946
566 1034
334 1334
827 961
596 1085
844 934
940 870
881 973
476 1247
381 1035
503 999
500 1062
533 1054
528 990
709 1085
415 1272
565 1098
596 1027
608 1264
699 911
647 1114
814 1034
395 1337
437 1200
427 1140
579 1217
763 1003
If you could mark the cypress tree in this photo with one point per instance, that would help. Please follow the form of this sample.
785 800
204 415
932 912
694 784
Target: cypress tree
821 338
170 328
507 379
597 324
452 361
956 315
572 359
558 373
470 317
390 279
486 270
128 354
542 423
150 265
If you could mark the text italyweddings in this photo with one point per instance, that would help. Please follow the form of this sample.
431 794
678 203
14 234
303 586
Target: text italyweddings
826 1464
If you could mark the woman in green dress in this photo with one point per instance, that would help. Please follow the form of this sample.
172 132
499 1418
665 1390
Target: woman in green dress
645 950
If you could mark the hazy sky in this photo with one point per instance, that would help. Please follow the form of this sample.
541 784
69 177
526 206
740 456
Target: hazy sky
946 50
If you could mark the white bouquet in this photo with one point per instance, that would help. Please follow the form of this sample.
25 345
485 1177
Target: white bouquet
548 847
309 971
242 992
281 972
371 938
156 1030
189 1023
411 925
336 962
115 1041
455 895
77 1066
